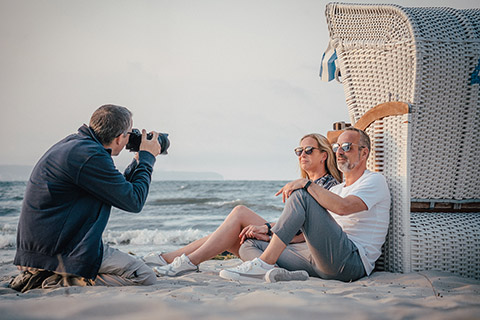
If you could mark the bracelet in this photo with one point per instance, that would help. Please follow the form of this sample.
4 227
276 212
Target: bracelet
307 185
269 232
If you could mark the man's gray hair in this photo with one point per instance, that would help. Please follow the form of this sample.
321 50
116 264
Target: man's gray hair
364 138
109 121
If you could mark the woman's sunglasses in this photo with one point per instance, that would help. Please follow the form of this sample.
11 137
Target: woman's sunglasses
307 150
346 146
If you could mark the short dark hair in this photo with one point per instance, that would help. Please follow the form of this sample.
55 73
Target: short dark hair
364 138
109 121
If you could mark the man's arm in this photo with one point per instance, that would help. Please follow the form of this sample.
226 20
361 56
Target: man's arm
128 173
327 199
335 203
100 178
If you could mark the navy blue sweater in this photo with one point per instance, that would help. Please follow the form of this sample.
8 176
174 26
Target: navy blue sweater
68 200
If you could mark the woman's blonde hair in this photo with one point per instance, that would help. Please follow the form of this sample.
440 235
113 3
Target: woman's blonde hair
330 163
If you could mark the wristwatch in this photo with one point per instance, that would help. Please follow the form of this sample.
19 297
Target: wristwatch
269 232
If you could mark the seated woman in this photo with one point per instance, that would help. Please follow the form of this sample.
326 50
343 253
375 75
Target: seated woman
317 163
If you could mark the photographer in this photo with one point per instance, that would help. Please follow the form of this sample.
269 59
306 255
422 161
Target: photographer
67 205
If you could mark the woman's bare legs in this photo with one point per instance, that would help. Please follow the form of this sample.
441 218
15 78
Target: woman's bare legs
188 249
226 235
225 238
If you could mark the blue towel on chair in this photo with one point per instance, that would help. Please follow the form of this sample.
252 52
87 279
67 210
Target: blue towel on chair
329 64
476 74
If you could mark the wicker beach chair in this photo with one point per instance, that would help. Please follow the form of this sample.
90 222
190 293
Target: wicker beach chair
429 59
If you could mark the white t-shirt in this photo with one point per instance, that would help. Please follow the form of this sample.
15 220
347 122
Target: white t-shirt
366 229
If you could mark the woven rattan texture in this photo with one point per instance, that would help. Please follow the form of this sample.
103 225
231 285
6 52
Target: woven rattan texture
446 241
389 157
425 57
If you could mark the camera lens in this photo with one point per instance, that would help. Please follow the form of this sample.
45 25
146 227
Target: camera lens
164 142
135 140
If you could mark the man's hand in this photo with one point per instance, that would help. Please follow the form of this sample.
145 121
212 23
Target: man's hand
151 145
254 232
287 190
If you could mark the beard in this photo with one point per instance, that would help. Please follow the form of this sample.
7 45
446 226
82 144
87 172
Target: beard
346 166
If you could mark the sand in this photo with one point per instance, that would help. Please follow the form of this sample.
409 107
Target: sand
204 295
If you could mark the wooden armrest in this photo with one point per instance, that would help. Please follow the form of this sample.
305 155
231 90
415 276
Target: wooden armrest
332 136
454 206
381 111
376 113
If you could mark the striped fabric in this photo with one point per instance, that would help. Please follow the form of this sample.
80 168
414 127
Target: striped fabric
329 64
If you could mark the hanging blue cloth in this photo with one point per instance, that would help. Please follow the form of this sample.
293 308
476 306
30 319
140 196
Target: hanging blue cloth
476 74
329 64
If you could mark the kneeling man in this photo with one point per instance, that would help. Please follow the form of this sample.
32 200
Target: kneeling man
67 204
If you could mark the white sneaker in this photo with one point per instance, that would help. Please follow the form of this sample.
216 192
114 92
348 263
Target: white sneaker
249 270
279 274
180 265
154 259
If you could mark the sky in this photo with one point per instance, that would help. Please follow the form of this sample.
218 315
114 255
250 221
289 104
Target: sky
234 83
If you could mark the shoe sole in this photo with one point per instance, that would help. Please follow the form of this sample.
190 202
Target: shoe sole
178 274
229 275
279 274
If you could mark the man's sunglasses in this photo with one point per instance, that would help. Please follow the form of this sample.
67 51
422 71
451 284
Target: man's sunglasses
346 146
307 150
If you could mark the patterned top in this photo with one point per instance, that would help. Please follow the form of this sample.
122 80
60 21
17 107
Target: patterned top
327 181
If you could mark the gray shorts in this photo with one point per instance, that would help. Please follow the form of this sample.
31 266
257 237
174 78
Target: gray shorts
117 269
327 252
121 269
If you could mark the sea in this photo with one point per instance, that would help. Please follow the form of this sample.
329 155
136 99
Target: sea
175 213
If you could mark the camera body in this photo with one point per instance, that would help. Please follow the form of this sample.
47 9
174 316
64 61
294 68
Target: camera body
135 140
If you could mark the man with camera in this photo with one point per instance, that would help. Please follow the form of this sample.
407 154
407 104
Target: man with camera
67 205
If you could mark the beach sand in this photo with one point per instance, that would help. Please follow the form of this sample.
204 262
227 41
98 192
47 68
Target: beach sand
204 295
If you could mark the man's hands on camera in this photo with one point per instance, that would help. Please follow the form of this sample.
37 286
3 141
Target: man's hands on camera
151 145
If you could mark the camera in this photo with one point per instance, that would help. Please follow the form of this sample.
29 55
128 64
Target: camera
135 139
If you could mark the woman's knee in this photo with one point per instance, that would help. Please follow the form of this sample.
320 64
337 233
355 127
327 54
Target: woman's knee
242 214
242 210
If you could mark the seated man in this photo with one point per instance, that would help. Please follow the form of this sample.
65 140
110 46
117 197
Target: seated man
344 228
67 204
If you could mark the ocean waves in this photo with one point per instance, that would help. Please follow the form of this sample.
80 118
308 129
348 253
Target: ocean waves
153 237
215 202
8 236
183 201
143 241
175 214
